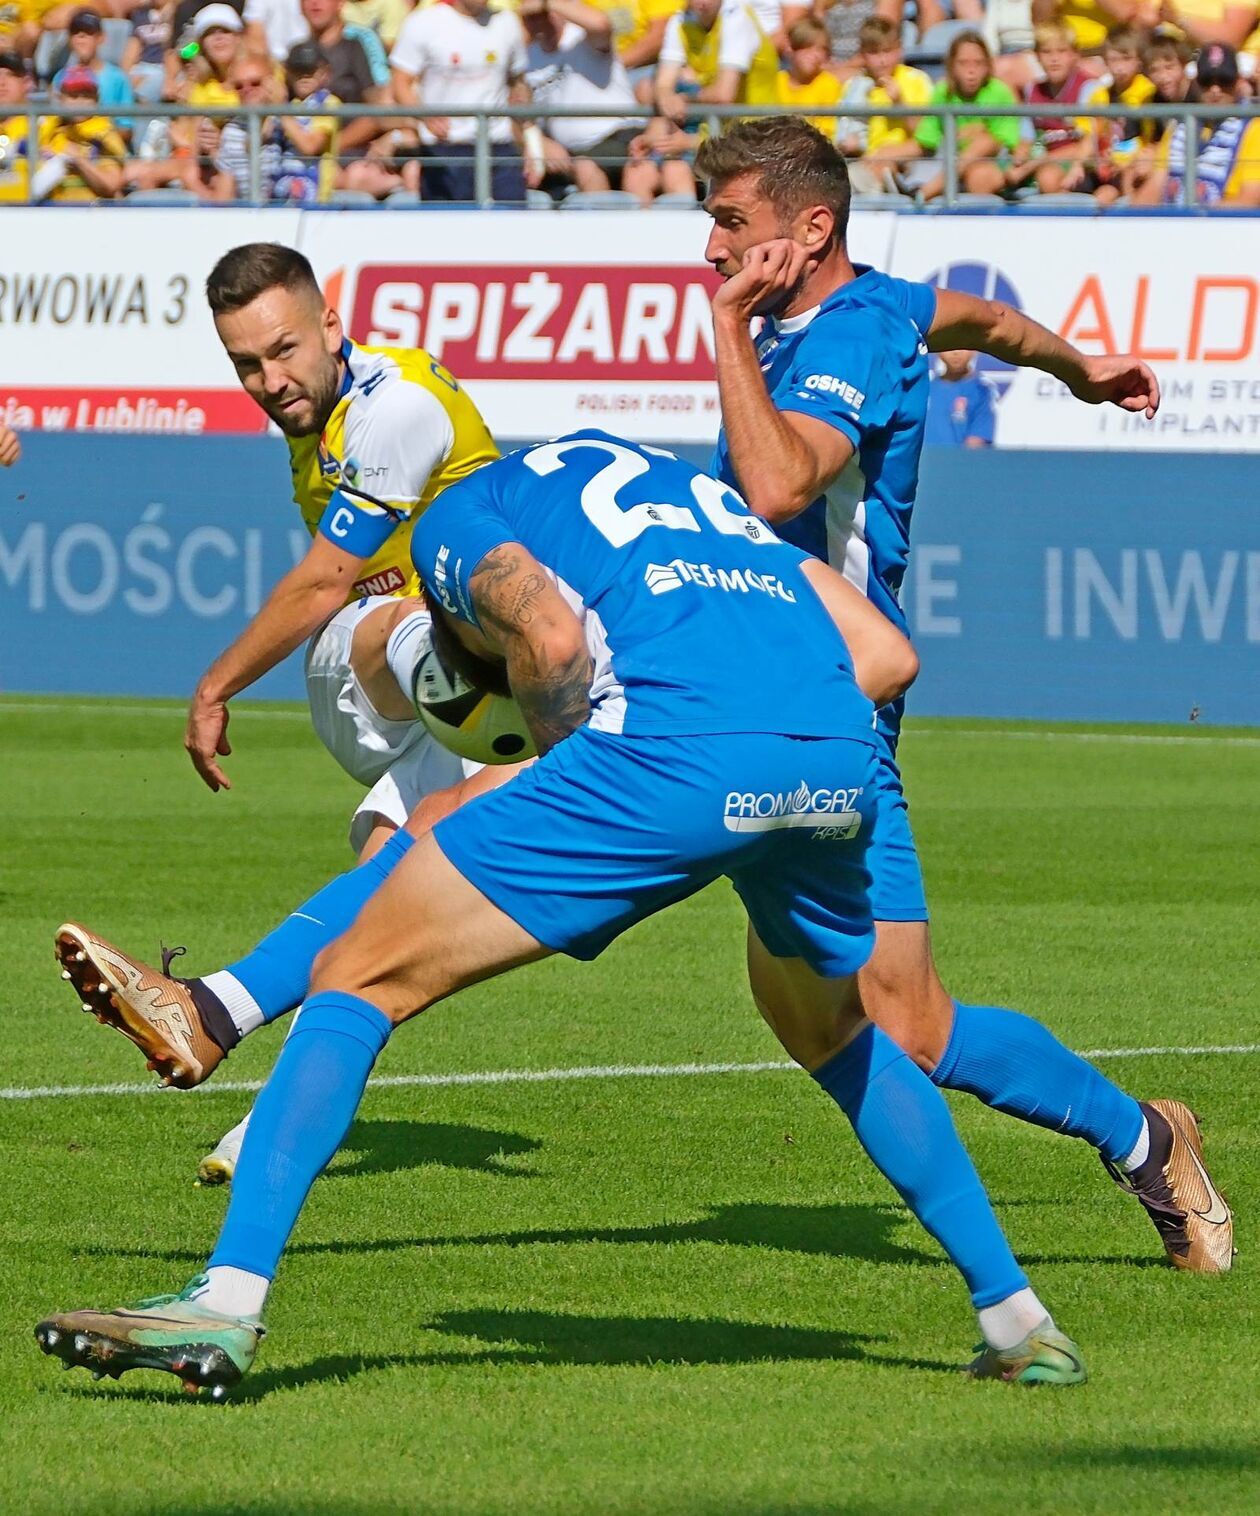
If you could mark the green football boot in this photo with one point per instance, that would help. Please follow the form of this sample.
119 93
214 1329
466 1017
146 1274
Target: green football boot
169 1332
1045 1356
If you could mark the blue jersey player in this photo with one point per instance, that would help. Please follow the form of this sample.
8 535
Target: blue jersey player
610 586
823 414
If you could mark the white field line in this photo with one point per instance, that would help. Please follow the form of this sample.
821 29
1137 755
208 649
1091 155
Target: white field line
1157 739
557 1076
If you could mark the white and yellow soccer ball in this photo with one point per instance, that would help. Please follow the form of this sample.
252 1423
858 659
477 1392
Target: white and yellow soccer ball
484 728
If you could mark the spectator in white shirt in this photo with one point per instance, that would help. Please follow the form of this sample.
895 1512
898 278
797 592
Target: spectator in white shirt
276 25
463 53
573 62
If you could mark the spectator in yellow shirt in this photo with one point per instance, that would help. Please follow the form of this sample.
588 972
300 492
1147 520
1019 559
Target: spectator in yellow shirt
807 81
886 79
730 60
1091 20
15 88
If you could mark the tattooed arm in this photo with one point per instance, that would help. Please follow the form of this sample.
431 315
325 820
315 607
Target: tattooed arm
524 618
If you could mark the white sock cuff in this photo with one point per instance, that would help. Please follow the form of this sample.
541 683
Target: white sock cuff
240 1005
1141 1149
234 1292
1010 1320
406 645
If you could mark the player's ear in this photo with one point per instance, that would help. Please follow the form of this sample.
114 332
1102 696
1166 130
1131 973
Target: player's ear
816 229
334 332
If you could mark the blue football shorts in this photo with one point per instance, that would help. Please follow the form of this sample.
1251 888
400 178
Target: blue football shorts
897 892
606 830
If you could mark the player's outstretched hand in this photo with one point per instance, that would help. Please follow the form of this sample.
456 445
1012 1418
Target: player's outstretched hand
10 447
206 740
1121 380
770 271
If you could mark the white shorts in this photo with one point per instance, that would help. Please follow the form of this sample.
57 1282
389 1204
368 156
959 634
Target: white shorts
397 761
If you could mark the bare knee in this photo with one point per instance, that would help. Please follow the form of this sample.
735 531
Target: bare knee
903 995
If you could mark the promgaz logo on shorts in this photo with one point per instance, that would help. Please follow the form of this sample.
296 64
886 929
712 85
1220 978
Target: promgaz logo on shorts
831 813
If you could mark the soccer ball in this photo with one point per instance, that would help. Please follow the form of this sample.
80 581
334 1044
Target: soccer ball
484 728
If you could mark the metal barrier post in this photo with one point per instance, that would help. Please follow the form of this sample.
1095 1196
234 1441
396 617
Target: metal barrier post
951 158
32 148
483 191
1190 180
255 158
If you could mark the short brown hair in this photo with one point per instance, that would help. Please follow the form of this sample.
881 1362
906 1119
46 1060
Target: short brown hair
245 272
808 32
1124 39
795 164
876 33
1165 45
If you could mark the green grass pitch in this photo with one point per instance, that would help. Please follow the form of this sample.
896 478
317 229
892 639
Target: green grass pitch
631 1294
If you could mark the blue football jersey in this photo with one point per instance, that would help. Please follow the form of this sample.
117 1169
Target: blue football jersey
698 618
859 362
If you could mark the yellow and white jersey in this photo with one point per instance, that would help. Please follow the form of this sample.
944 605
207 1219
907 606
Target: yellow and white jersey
401 431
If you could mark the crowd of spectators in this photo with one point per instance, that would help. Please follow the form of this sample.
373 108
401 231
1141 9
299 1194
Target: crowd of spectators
676 58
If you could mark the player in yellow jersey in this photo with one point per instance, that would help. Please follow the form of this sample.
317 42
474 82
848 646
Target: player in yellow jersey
374 435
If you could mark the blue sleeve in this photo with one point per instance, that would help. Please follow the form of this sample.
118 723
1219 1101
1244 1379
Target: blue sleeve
919 301
840 374
356 526
981 419
452 537
373 51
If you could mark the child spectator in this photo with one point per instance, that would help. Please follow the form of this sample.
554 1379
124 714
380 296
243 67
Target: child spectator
308 144
144 57
960 404
1062 153
807 80
985 143
1165 61
1228 169
79 159
1119 141
886 79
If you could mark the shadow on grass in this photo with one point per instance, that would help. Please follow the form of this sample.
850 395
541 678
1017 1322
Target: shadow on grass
865 1232
557 1340
387 1147
1175 1458
851 1231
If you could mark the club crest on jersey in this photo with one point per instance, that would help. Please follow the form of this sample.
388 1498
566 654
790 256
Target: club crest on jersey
831 813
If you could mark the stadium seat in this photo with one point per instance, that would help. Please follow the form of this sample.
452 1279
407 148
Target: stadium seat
353 199
970 202
168 196
676 202
114 37
1080 205
402 200
880 203
601 200
539 200
934 43
51 52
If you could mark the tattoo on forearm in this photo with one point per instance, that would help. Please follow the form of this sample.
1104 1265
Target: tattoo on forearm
510 594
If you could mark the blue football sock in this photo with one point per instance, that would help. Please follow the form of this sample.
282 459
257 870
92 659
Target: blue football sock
905 1127
1014 1064
297 1124
278 972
